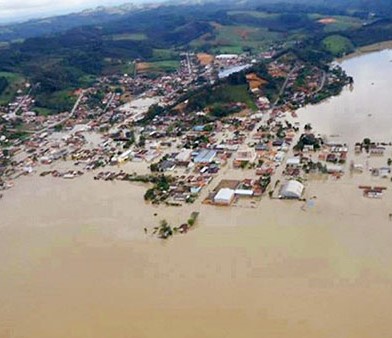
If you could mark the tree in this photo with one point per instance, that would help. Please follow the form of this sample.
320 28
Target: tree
142 141
3 84
165 230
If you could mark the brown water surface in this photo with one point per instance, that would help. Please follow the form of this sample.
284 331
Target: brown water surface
75 262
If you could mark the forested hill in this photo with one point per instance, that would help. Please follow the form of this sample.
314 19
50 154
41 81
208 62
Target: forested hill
62 23
102 15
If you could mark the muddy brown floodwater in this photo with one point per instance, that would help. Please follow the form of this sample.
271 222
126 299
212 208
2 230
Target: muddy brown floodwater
75 262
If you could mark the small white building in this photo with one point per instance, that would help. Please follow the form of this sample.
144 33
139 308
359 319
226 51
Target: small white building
292 190
244 192
334 168
225 196
126 155
293 162
226 57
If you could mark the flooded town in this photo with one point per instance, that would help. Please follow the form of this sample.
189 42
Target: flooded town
284 184
138 141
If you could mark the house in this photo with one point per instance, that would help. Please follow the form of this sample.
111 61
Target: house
167 165
384 172
334 168
198 128
126 155
293 162
248 155
261 147
244 192
277 143
205 156
226 57
378 151
184 155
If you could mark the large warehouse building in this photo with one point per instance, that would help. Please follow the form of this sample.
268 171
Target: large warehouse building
292 190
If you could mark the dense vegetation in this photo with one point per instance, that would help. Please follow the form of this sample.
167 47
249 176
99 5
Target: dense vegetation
3 84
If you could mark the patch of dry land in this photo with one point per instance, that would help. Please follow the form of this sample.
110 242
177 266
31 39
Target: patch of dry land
255 82
327 21
75 262
205 59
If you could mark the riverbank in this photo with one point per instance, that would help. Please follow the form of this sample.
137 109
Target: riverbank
376 47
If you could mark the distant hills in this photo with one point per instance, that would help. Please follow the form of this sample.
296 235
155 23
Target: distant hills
61 23
102 15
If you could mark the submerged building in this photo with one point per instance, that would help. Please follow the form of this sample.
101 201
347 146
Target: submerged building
292 190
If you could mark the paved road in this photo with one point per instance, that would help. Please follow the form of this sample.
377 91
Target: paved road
188 61
322 82
71 114
109 102
22 102
284 85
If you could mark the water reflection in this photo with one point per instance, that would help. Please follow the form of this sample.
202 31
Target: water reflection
362 110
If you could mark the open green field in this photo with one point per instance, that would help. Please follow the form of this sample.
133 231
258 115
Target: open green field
237 93
166 66
341 23
87 80
337 45
43 111
254 14
130 37
164 54
15 83
236 39
56 102
128 68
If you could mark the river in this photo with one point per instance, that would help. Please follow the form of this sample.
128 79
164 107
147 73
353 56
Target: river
363 110
75 262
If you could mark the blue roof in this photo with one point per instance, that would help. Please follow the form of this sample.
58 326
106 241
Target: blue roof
205 156
198 128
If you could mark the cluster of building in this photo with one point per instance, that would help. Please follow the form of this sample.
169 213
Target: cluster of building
112 124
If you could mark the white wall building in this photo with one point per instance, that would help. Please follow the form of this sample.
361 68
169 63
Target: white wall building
292 189
225 196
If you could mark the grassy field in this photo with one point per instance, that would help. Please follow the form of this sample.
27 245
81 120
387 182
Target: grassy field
343 23
15 82
238 93
254 14
164 55
87 80
43 111
337 45
234 39
166 66
130 37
